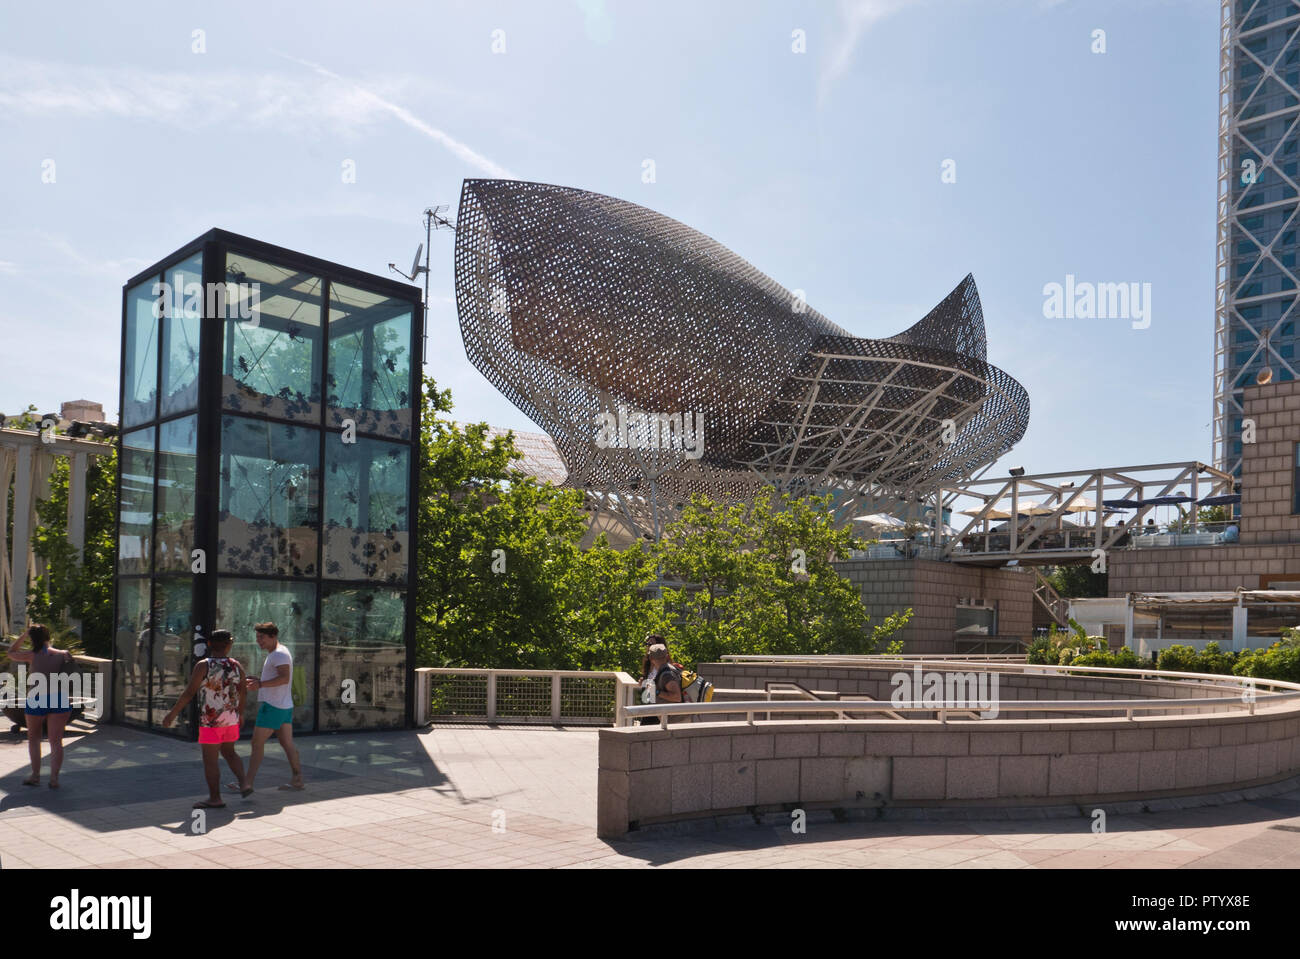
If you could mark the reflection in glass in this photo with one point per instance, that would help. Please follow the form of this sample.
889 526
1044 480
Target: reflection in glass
272 359
131 652
169 655
135 523
369 379
243 603
180 336
362 641
365 509
269 510
174 533
140 358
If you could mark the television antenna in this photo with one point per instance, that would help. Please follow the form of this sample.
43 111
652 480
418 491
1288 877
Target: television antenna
435 218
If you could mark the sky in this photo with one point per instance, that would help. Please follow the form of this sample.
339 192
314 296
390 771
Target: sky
868 152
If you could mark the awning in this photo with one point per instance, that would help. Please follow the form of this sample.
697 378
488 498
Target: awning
1223 499
1172 500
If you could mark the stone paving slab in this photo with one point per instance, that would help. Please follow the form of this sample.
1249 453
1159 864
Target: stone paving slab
525 797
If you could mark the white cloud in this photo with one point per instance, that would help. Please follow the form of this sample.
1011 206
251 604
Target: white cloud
856 17
290 103
366 99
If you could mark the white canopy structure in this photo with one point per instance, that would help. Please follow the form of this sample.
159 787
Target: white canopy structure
26 460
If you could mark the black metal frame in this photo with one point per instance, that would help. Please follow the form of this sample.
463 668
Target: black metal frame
215 245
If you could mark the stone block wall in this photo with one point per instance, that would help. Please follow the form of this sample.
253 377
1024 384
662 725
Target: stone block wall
1268 464
650 775
931 589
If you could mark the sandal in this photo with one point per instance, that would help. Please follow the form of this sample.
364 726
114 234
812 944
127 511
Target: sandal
32 781
208 804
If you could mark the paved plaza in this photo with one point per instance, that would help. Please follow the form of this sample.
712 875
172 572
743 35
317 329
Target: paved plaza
478 796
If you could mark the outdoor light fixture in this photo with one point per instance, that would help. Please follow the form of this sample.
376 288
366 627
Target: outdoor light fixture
1017 471
1264 377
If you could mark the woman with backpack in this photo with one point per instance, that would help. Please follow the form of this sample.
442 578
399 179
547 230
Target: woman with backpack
48 706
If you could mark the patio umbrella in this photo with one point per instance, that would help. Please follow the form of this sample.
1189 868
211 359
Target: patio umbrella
1172 500
884 520
1224 499
1121 503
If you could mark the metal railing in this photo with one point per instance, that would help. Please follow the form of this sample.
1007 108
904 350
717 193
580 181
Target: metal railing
554 696
868 659
1247 697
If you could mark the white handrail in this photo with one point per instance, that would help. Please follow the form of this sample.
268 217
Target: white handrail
1129 706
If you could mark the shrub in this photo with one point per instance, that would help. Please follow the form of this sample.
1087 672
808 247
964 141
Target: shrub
1279 661
1185 659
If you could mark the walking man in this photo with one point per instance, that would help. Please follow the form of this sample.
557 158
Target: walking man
221 680
275 708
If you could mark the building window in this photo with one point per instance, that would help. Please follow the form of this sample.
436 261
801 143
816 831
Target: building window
1295 481
977 620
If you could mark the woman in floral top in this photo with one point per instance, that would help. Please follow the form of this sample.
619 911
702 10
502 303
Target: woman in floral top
221 680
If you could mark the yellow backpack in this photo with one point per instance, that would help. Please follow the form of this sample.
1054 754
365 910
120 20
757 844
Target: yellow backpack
695 688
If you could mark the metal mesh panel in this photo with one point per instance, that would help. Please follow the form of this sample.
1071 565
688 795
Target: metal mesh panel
523 697
458 696
575 304
587 698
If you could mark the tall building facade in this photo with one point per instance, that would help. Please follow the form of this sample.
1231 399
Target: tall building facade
1258 209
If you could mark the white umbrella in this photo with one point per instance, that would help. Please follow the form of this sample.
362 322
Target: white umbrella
880 519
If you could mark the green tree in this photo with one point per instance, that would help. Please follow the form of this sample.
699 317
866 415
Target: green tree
81 590
1076 582
497 550
756 578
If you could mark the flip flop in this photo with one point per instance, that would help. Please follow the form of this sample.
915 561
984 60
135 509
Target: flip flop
290 787
205 804
243 793
31 782
54 785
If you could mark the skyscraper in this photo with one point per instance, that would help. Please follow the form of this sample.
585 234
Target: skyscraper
1258 208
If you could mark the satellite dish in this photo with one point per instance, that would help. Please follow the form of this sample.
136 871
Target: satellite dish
415 264
1264 377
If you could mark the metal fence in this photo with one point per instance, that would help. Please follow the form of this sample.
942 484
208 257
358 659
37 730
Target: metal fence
554 697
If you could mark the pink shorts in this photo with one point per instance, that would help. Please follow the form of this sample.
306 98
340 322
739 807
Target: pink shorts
218 734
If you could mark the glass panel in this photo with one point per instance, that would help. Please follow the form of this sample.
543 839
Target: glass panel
976 621
140 361
362 640
169 658
135 525
174 535
243 603
131 652
369 378
180 336
272 340
269 510
365 509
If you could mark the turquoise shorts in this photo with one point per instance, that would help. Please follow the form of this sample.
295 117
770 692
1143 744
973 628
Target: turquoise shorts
269 717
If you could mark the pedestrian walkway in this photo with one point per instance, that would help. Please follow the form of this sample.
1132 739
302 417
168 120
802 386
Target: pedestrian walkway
482 797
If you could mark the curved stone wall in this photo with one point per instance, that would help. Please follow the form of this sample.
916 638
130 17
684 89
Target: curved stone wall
689 770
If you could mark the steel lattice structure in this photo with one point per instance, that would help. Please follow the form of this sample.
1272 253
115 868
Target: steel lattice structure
1256 308
575 305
